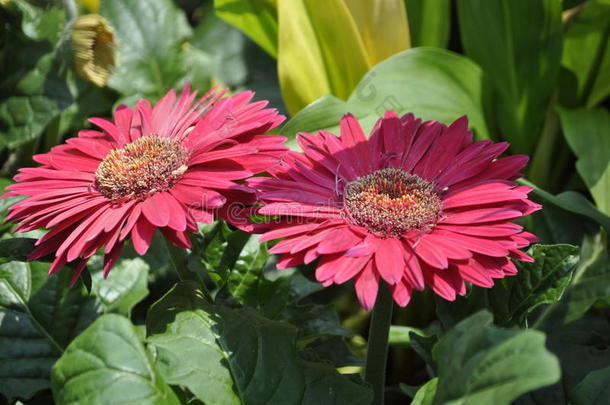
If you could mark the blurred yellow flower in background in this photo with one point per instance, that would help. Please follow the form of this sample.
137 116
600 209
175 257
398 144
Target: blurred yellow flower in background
93 48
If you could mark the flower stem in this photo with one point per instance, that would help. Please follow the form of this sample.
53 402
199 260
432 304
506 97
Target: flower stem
179 260
377 354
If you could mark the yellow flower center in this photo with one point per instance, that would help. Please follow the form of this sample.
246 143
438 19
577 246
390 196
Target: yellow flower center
391 202
143 167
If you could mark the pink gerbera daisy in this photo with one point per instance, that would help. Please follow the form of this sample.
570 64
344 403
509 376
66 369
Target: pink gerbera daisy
165 167
415 204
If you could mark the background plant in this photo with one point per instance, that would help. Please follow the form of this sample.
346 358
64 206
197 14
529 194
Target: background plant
534 73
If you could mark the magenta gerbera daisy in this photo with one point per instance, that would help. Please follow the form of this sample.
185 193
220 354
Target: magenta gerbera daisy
165 167
415 204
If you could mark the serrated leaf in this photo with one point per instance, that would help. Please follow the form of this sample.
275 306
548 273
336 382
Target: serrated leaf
150 35
482 364
541 282
429 22
309 66
259 353
583 128
39 316
586 56
447 86
520 53
256 18
108 364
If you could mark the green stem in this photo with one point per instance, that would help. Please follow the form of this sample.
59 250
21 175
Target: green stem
179 260
377 353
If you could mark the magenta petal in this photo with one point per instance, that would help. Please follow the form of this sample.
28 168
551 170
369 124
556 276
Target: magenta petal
156 210
367 285
389 260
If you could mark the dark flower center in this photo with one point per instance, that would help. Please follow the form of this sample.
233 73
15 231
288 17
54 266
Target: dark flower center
391 202
148 165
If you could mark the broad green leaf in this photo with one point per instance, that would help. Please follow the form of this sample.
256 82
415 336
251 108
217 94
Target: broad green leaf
333 350
125 286
401 335
183 332
541 282
224 45
108 364
150 35
320 52
16 249
39 316
572 201
425 395
431 83
594 389
383 27
256 18
517 43
586 56
32 92
258 353
429 22
586 131
481 364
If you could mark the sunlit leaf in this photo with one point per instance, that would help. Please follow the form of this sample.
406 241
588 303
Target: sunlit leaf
256 18
258 353
109 364
431 83
383 27
425 395
320 52
517 43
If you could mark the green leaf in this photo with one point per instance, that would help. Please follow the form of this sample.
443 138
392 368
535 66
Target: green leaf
256 18
224 46
586 56
544 281
41 23
258 353
582 129
108 364
39 316
482 364
594 389
401 335
591 281
520 53
431 83
16 249
125 286
572 201
150 35
425 395
309 65
183 332
429 22
32 90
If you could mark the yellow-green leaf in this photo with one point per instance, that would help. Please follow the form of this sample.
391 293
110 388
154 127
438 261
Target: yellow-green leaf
256 18
320 51
383 27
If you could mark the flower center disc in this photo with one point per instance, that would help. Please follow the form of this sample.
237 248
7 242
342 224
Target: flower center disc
149 164
391 202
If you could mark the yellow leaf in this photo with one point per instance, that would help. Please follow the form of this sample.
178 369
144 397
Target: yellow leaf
383 27
319 52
